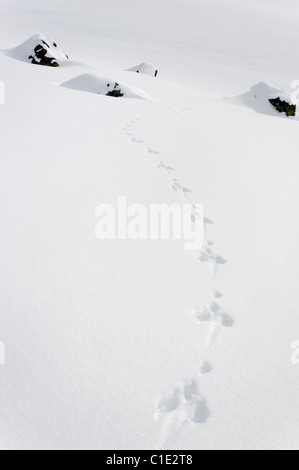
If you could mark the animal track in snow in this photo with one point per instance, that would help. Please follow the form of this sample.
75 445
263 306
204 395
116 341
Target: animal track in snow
204 314
217 294
149 150
215 315
184 405
227 320
161 165
170 403
197 408
195 213
207 255
177 187
137 141
205 368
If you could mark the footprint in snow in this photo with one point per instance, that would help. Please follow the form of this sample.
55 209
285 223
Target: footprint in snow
177 187
185 404
217 294
214 314
207 255
162 165
149 150
205 368
137 141
196 214
203 314
170 403
196 405
186 190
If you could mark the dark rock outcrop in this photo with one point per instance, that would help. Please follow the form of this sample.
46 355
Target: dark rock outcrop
283 107
46 53
41 58
116 92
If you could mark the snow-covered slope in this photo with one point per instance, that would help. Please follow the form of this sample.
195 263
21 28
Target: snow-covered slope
140 344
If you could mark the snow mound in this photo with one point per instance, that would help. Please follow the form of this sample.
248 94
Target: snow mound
103 86
146 69
40 51
267 99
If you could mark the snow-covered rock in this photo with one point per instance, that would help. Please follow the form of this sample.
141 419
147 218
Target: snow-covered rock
268 99
39 51
146 69
92 83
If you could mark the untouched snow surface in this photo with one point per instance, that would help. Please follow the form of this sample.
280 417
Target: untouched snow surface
132 345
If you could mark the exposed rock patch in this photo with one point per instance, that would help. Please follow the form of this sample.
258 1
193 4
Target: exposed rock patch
283 107
116 92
